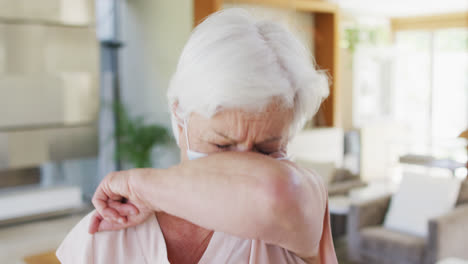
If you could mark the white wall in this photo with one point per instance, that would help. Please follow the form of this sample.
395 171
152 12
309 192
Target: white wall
346 90
154 33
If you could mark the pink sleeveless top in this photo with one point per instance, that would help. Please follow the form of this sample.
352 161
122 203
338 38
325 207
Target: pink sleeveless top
145 243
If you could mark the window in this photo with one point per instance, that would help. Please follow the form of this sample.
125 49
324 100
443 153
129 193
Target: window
431 90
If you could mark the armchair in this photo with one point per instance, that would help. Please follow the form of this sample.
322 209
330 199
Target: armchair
370 242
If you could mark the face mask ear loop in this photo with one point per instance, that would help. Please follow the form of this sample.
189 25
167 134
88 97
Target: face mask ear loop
186 133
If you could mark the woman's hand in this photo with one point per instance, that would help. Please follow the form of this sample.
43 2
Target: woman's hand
117 206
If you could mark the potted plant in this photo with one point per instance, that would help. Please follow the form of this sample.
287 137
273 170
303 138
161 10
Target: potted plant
135 139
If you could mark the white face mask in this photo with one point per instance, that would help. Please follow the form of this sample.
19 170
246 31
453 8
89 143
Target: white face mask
193 155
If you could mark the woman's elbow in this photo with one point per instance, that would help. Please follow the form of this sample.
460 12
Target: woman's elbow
285 199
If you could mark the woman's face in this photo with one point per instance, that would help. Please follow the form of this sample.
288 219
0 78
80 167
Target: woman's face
237 130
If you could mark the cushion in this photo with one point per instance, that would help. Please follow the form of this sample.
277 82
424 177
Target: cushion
384 244
325 169
419 199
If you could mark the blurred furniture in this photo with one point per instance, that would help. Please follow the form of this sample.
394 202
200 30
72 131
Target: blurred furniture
338 207
370 242
30 203
340 204
464 135
452 261
49 103
338 181
343 182
49 91
432 162
352 151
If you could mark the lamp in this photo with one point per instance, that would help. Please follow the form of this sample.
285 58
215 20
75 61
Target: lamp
464 135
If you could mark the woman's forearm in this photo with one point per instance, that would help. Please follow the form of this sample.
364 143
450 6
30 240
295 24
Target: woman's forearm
247 195
225 192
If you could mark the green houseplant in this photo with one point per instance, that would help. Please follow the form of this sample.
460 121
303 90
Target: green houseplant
135 139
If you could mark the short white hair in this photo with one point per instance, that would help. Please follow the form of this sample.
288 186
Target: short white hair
233 60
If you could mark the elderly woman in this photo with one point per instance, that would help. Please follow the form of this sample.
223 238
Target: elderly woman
242 89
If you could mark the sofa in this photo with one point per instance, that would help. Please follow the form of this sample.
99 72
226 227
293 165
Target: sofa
339 181
343 182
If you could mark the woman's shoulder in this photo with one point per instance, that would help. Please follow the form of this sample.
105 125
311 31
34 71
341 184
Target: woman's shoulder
77 245
103 247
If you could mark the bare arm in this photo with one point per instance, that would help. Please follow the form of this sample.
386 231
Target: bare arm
244 194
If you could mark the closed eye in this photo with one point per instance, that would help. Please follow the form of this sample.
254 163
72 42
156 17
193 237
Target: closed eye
222 146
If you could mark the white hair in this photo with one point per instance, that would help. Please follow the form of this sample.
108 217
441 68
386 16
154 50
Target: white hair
233 60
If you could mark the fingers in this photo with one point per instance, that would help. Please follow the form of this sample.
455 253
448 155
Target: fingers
110 202
100 200
106 211
112 214
105 194
99 224
109 226
94 223
124 209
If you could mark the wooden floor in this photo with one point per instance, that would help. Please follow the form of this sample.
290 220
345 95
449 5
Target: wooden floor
44 258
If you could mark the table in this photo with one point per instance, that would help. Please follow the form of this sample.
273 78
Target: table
432 162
